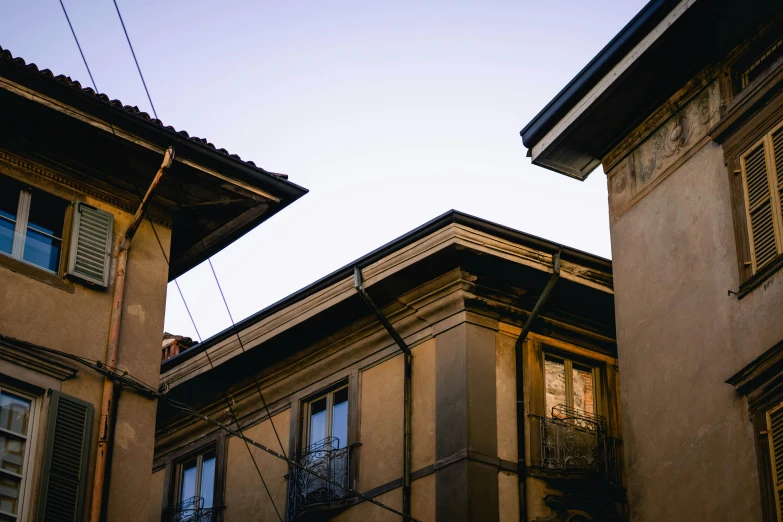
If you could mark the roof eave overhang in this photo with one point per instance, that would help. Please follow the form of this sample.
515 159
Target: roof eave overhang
398 247
546 135
657 53
101 118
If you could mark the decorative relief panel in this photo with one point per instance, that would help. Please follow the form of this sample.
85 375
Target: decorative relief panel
663 150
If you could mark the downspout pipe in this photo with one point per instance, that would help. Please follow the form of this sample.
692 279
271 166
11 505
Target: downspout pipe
358 283
112 345
521 424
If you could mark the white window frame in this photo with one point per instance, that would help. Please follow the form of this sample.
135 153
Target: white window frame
20 231
31 439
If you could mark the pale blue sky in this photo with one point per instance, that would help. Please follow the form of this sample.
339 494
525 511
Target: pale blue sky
390 113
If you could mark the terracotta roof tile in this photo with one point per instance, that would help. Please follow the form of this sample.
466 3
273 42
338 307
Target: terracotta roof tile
5 55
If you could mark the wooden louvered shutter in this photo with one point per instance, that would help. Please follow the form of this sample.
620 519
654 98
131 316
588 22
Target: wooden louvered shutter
775 437
65 462
777 180
758 202
90 254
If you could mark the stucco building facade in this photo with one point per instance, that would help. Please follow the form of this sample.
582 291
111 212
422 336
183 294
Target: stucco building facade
318 378
683 110
83 265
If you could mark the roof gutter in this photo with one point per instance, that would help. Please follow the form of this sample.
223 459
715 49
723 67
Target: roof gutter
108 402
551 138
630 35
521 420
341 274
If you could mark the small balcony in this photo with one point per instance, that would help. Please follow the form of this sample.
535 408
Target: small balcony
307 493
575 442
193 510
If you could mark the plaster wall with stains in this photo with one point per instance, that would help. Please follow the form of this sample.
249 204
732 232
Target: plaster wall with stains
689 445
75 319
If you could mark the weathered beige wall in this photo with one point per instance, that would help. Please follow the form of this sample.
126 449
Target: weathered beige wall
366 512
156 495
423 408
380 424
508 497
506 396
688 443
423 498
246 498
78 323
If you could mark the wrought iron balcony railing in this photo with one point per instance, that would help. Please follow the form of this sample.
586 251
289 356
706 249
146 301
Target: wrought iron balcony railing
305 490
576 441
193 510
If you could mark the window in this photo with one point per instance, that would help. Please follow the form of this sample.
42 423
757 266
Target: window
569 383
327 416
31 225
763 192
756 59
16 429
775 438
196 480
325 452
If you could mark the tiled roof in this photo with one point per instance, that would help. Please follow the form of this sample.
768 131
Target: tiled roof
6 56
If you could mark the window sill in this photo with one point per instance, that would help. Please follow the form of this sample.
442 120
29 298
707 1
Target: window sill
759 277
39 274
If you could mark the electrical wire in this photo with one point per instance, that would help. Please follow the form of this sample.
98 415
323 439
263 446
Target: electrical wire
228 402
190 411
79 46
124 376
134 59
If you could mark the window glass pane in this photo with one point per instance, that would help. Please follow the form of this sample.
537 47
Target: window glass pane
208 479
41 250
554 382
340 417
14 413
188 481
10 491
583 389
9 201
44 230
12 453
318 420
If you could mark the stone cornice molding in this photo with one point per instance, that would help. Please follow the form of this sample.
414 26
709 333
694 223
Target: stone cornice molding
25 167
300 311
41 363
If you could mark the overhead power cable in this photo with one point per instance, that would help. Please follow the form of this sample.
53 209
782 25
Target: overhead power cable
147 389
79 46
204 248
187 308
190 411
134 59
181 406
228 402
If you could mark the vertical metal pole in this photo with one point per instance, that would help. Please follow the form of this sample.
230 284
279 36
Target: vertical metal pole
112 345
358 283
406 444
522 460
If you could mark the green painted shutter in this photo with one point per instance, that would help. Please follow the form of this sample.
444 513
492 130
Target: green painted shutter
65 462
90 252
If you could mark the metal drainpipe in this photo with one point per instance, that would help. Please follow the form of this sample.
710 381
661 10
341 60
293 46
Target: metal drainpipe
112 348
407 398
522 460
